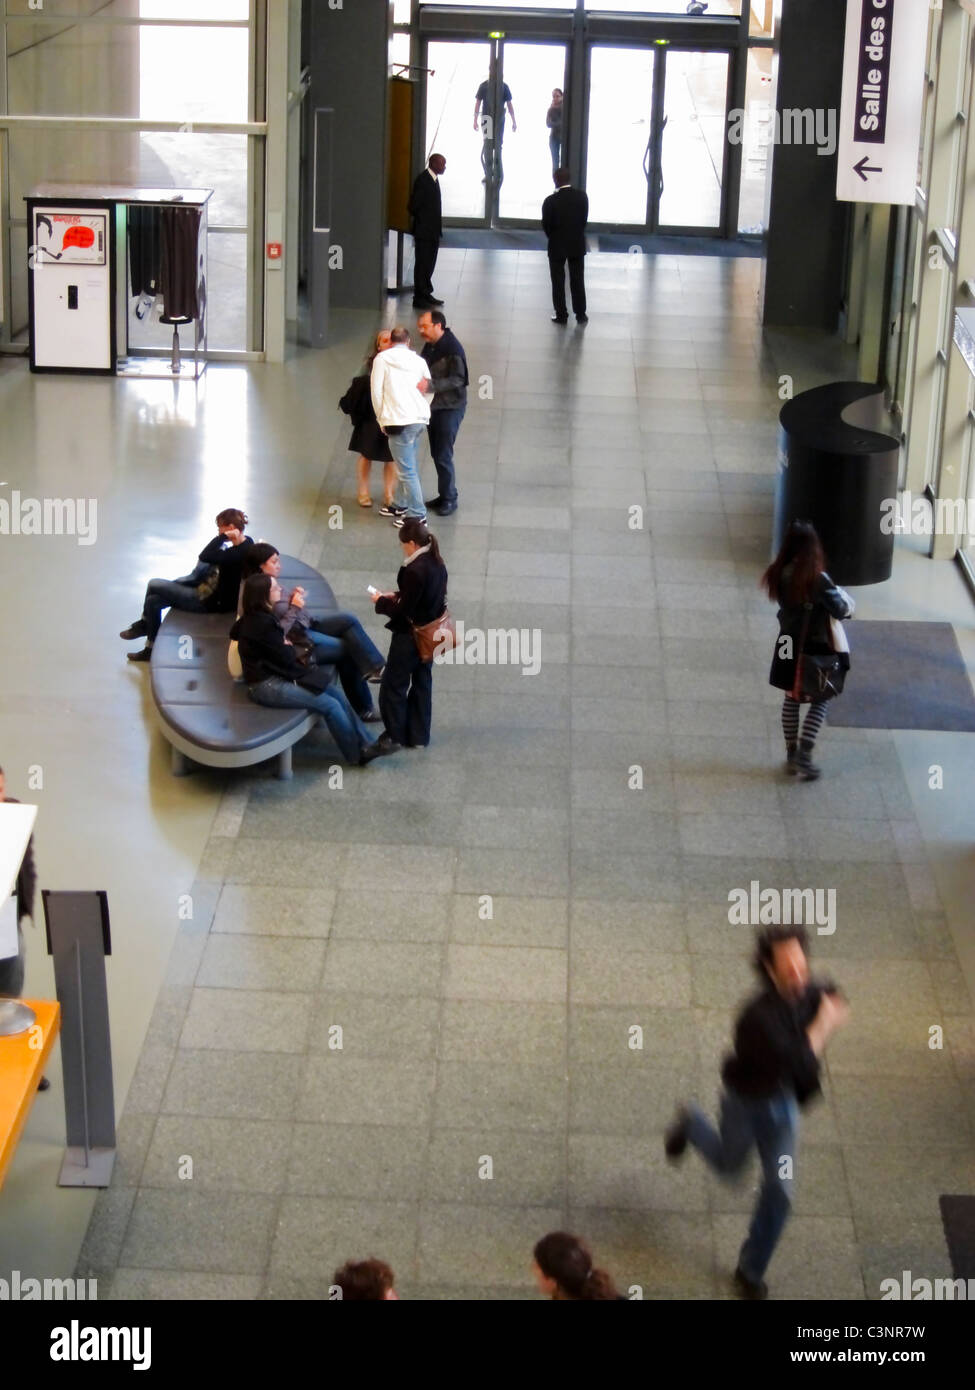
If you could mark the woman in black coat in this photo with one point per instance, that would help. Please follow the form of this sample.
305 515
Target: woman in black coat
276 676
368 440
808 602
406 689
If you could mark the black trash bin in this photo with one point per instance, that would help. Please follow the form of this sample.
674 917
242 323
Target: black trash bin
837 469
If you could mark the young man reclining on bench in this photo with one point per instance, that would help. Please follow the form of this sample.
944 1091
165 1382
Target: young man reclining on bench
211 588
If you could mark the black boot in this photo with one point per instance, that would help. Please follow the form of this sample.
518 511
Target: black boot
807 769
791 758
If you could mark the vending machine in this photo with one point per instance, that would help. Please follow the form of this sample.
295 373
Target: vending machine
71 285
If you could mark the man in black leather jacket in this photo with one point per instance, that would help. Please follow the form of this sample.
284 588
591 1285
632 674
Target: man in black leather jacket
447 387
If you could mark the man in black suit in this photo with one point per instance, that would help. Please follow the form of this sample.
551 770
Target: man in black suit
427 228
564 216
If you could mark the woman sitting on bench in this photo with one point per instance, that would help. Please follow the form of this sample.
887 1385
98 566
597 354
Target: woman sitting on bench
338 638
275 675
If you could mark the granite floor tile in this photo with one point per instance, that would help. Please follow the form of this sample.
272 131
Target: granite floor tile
196 1231
238 1020
233 1085
489 1096
494 1030
365 1090
216 1155
261 962
376 1163
366 1025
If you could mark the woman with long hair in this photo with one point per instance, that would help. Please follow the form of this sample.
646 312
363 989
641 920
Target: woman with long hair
338 638
564 1271
275 675
406 689
808 602
368 440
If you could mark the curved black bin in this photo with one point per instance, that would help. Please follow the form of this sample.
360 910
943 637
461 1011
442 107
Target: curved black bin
836 469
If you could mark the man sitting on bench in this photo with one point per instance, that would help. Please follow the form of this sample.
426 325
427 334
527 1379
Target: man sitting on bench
211 588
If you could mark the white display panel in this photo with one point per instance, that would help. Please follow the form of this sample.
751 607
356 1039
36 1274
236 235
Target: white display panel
69 259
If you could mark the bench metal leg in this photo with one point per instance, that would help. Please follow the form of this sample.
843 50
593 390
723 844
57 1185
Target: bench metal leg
284 765
180 763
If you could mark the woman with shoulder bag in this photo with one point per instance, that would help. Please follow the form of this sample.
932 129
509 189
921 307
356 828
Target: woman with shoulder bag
276 676
811 652
406 689
368 440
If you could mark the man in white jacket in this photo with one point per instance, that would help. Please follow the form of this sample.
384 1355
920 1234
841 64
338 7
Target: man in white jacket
403 413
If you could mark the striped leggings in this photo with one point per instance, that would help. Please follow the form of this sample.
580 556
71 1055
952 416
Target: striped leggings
814 721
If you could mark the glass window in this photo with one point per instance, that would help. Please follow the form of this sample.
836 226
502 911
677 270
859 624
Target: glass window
153 71
763 17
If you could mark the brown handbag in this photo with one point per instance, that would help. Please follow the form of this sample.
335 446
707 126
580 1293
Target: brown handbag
440 635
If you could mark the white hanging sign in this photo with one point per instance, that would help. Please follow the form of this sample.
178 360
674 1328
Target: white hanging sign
883 91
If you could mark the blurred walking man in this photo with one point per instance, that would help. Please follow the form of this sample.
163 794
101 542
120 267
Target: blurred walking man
780 1038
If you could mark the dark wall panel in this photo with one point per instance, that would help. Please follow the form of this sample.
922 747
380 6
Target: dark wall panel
805 270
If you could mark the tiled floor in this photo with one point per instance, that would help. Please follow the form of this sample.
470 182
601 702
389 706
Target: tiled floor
482 926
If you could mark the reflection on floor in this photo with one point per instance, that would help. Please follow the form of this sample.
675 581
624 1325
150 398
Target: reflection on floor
465 1035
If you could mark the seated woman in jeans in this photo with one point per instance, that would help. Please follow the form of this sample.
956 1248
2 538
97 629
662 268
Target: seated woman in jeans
211 587
275 675
339 639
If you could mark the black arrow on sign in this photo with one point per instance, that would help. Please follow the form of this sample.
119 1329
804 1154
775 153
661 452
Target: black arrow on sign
863 168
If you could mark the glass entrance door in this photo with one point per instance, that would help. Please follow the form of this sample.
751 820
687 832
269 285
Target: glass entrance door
455 73
488 108
656 146
531 75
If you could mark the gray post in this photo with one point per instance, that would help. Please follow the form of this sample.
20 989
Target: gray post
78 939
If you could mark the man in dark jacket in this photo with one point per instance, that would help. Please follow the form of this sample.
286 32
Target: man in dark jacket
213 586
780 1037
426 224
447 387
564 216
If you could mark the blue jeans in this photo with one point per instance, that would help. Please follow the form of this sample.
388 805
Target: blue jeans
555 148
771 1123
168 593
355 639
344 725
442 431
403 449
330 651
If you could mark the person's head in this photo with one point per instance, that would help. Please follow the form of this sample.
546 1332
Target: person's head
413 536
801 553
365 1280
262 558
432 325
564 1270
562 177
780 955
400 336
231 523
437 164
256 596
556 96
379 344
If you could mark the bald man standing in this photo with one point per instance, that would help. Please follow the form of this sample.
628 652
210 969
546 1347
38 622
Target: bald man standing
426 224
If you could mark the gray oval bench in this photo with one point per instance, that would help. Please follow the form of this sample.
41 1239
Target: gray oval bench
205 714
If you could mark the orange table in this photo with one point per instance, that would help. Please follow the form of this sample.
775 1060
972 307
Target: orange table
21 1068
